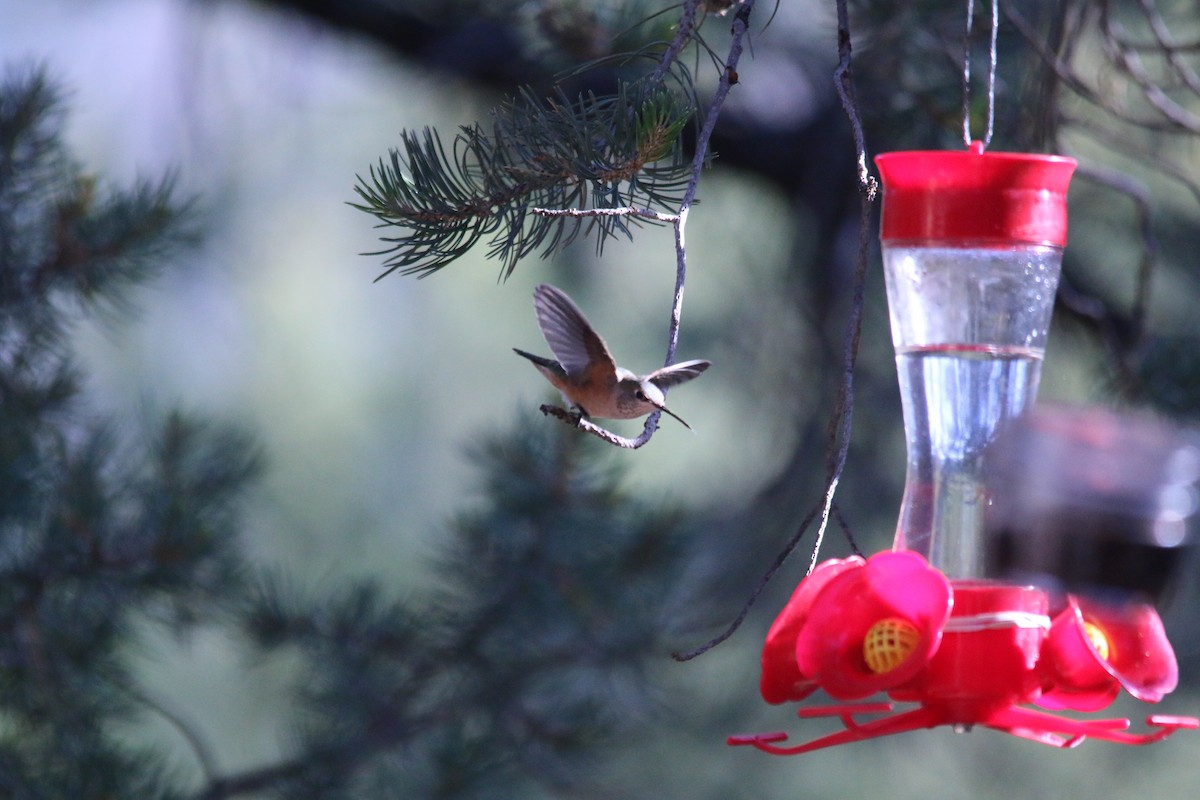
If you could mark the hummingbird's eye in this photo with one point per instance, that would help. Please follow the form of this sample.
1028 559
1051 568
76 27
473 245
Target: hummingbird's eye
640 395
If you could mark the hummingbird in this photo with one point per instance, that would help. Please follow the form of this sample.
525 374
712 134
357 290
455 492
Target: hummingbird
585 371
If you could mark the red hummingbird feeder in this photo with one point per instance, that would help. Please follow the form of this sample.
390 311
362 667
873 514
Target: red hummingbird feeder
952 620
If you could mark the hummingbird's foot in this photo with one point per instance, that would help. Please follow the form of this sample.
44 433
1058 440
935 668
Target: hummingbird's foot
575 416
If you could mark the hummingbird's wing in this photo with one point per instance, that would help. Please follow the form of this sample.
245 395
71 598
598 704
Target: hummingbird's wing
572 339
677 373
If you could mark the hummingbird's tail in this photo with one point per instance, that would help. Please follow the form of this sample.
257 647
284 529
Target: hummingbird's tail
537 359
548 363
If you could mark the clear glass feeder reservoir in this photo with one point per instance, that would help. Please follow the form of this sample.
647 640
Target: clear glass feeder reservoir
972 249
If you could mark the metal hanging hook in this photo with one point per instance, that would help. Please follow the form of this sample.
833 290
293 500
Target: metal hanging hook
991 78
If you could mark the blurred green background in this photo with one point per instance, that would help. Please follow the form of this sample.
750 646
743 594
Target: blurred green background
368 396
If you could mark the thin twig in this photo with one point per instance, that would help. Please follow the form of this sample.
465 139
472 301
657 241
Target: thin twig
1126 339
843 81
1072 81
841 424
740 26
200 748
587 426
763 582
846 529
646 213
1127 149
1130 62
830 490
683 35
1165 45
1139 194
868 188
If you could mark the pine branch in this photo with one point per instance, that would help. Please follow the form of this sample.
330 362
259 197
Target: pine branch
102 246
522 665
728 78
98 531
623 150
551 166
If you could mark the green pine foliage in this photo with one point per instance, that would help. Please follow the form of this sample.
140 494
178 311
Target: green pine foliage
520 670
99 530
527 664
618 151
533 660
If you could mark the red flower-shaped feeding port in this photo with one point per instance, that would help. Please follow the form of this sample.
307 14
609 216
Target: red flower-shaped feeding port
967 652
1094 650
856 627
781 677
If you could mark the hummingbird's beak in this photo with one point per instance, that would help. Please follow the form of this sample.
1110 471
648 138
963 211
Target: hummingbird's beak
673 414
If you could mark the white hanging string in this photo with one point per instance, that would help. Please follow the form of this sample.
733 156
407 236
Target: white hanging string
991 77
996 620
824 524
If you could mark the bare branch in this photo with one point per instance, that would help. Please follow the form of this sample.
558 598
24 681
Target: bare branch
186 728
841 424
1164 44
587 426
684 32
1130 62
1123 146
645 213
1074 82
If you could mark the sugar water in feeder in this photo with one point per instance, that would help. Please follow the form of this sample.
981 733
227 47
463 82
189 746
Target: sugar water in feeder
972 248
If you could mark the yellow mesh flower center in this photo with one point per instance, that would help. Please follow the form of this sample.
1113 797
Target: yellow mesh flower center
1096 636
888 643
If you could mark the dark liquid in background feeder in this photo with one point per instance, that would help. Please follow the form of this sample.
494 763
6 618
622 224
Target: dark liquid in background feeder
1092 502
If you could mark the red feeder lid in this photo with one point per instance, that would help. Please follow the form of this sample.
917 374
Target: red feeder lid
989 198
